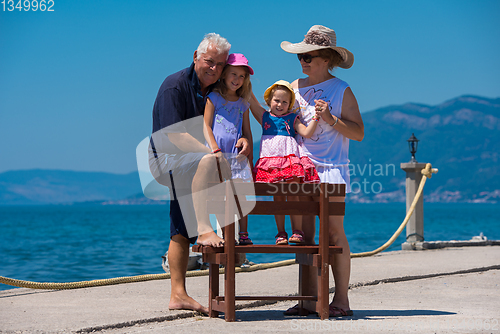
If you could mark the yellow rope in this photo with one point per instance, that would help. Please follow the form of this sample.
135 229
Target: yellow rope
83 284
130 279
427 173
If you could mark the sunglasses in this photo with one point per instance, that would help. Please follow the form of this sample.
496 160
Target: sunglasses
306 57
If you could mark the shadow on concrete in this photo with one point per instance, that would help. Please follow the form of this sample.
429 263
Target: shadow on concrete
277 315
380 314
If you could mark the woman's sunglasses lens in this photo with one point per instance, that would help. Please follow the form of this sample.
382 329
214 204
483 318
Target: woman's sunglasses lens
307 58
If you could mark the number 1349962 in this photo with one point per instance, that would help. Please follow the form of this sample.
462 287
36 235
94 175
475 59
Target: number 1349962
28 5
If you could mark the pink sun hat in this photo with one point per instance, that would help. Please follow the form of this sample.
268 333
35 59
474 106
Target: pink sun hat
238 59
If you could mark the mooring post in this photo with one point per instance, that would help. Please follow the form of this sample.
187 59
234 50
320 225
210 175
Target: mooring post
415 226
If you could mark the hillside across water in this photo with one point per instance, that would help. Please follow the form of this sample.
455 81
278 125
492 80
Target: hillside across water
460 137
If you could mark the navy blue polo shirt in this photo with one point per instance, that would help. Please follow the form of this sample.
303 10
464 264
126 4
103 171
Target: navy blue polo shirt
179 98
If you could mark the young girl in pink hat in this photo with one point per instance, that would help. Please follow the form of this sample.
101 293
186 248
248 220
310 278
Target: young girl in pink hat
227 120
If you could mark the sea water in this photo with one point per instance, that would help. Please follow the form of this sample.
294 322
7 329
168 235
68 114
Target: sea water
59 243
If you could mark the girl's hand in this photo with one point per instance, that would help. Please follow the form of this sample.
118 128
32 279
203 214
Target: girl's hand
317 116
243 146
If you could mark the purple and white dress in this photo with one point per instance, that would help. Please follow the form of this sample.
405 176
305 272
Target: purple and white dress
227 128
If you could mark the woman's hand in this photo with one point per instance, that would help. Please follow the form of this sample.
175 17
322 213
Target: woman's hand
323 110
349 123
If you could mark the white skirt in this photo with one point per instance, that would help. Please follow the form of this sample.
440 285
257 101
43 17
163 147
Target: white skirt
335 175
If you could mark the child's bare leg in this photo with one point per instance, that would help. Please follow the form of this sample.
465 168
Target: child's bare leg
308 224
243 235
280 219
244 224
295 219
282 236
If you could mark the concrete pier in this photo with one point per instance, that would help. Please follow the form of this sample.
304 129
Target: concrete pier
451 290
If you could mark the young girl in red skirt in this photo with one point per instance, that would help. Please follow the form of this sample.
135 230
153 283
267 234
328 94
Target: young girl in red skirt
281 158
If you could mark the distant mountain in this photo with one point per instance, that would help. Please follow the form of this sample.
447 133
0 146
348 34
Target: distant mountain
27 187
460 137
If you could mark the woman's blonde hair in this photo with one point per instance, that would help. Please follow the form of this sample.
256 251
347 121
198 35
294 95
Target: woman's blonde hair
244 91
333 57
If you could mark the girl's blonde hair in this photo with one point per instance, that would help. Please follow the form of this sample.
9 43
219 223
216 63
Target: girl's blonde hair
244 91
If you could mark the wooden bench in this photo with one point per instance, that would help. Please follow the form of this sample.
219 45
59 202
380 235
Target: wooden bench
319 256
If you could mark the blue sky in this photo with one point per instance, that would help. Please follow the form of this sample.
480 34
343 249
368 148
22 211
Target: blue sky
77 85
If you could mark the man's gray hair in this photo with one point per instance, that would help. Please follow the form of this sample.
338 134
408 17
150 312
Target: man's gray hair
220 43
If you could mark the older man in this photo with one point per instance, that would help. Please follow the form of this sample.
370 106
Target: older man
178 155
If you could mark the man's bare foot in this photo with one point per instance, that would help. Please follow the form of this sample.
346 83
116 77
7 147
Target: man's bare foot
187 303
210 239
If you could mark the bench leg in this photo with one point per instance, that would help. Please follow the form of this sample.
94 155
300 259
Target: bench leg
213 288
229 272
229 275
229 293
306 288
323 291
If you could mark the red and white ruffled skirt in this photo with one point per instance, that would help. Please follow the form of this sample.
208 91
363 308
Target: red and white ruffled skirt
281 159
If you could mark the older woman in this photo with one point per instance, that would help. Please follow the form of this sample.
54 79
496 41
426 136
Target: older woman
328 148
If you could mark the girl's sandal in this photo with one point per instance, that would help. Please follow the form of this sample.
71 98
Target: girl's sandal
244 239
297 237
281 238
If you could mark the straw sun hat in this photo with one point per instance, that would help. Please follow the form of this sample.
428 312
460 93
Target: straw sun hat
317 38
